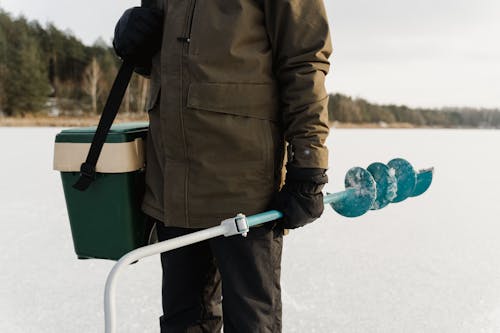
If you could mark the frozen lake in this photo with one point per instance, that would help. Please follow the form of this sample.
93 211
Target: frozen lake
429 264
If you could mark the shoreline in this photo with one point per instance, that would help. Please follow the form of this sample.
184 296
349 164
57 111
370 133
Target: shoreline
84 121
65 121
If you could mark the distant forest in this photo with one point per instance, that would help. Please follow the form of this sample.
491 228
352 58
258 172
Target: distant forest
345 109
44 69
49 71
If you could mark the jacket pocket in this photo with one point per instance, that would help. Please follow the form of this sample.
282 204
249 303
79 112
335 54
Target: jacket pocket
241 99
229 129
232 121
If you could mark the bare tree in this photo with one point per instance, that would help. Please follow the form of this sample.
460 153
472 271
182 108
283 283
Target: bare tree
143 94
126 101
2 92
91 78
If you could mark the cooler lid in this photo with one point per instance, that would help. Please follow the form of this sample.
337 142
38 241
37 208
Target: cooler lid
118 133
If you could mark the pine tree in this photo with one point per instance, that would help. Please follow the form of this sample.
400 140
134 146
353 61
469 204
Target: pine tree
4 20
25 82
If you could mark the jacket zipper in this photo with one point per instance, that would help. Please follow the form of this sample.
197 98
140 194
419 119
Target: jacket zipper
186 38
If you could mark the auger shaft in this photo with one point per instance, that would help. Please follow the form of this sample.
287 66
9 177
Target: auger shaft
359 197
273 215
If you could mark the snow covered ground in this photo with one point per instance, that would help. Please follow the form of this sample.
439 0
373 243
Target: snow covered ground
429 264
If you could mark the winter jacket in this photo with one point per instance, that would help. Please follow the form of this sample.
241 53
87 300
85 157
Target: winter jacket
233 81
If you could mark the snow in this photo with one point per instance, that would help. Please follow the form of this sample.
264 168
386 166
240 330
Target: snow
428 264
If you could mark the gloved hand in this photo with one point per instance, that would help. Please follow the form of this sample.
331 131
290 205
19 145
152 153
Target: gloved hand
301 200
138 35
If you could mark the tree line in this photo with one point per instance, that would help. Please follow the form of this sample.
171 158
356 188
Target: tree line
346 109
44 69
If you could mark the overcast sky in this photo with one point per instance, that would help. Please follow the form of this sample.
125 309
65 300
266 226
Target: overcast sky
421 53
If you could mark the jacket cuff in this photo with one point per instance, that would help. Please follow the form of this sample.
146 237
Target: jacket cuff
308 155
314 175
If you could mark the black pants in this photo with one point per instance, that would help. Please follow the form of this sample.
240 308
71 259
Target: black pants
234 278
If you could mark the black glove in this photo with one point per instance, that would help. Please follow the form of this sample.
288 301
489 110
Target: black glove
301 199
138 35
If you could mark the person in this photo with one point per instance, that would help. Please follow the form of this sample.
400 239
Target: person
237 96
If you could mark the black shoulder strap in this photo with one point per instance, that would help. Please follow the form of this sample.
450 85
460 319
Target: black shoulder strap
87 170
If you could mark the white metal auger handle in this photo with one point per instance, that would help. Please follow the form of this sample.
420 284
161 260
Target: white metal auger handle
234 226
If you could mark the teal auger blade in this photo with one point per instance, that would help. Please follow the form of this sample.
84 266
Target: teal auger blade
359 195
386 182
378 186
406 178
424 181
373 188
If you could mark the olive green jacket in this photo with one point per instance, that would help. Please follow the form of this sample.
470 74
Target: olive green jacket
233 81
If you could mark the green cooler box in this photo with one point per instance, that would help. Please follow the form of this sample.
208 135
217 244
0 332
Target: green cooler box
106 219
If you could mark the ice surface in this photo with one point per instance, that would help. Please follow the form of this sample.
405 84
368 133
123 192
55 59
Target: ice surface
428 264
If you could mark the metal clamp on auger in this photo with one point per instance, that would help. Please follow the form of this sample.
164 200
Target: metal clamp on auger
237 225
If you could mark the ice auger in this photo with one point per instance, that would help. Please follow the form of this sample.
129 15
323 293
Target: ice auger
367 189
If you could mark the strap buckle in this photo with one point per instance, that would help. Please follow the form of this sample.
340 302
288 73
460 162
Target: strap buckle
88 171
87 176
